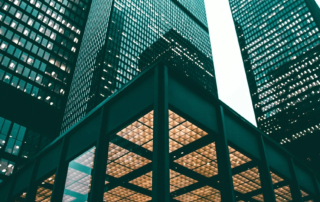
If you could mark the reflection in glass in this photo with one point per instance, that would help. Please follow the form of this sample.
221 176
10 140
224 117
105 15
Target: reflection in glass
78 180
6 167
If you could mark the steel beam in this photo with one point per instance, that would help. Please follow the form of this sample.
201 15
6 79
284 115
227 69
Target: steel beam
223 158
160 164
100 160
265 175
61 174
294 185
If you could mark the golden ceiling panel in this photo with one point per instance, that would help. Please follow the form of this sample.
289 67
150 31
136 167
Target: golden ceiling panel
122 162
275 178
132 161
247 181
115 152
192 160
182 181
208 151
116 170
144 181
186 133
205 191
304 193
173 188
139 132
173 174
121 192
202 200
173 145
139 197
51 179
208 170
237 158
187 197
201 161
23 195
110 197
215 197
247 187
147 119
283 194
258 197
43 194
148 145
174 119
124 194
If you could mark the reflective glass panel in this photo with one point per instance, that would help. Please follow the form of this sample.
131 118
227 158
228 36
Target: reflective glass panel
78 180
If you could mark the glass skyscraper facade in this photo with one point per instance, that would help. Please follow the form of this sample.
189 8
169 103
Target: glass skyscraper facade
39 44
117 36
279 41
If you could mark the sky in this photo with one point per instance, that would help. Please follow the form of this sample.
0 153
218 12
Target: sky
231 79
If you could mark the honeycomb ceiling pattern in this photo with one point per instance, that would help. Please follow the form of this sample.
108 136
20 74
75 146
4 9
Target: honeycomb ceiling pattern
44 194
205 193
123 161
203 160
247 181
123 194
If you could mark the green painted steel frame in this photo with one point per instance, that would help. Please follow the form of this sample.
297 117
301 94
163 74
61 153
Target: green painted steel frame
160 88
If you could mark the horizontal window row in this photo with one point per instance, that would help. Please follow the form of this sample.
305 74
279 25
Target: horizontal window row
29 88
45 31
31 58
32 75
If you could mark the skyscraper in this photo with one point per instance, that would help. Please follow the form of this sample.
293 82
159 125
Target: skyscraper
117 35
39 43
279 41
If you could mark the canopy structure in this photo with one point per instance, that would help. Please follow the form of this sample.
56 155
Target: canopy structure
163 138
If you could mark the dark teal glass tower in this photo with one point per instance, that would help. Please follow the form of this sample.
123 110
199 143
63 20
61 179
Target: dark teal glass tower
118 38
39 43
279 41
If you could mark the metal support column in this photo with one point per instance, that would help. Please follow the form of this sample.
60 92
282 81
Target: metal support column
294 185
100 161
160 165
224 166
12 183
61 174
265 175
32 189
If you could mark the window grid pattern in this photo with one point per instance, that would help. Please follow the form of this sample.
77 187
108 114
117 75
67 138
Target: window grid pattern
11 136
38 47
197 8
280 41
92 43
134 27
